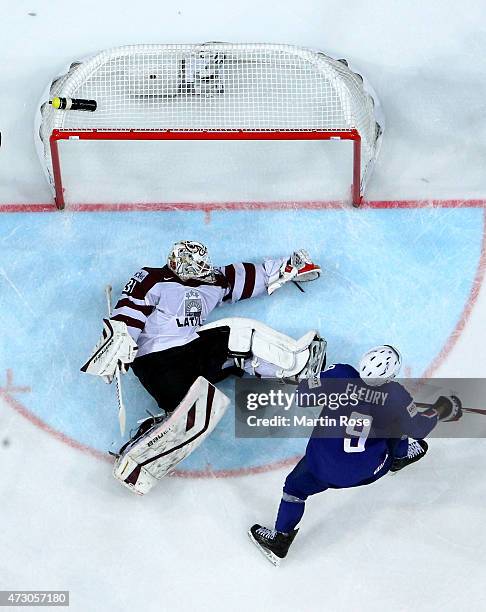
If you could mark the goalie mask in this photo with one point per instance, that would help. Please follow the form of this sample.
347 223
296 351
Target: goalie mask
380 365
189 259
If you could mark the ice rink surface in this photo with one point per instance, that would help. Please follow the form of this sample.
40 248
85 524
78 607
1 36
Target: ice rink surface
409 275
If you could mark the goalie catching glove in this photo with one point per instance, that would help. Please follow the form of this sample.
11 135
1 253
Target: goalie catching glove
115 348
299 267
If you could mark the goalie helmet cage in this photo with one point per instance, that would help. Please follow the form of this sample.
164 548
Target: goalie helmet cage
213 91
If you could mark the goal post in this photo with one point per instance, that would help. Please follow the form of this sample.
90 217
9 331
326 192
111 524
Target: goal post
212 91
237 135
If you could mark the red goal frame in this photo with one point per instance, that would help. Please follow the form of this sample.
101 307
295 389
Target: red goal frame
152 134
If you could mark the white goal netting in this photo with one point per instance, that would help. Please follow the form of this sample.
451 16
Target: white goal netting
212 88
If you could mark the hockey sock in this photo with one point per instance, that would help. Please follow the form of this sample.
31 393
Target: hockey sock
290 512
401 449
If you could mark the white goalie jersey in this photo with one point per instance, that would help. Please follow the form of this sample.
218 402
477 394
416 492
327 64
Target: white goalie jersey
162 311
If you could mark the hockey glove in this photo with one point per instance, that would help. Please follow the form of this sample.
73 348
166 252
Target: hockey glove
448 408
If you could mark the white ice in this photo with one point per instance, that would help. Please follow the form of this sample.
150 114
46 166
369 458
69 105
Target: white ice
414 541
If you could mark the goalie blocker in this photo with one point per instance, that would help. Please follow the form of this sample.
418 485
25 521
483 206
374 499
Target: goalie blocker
152 454
115 348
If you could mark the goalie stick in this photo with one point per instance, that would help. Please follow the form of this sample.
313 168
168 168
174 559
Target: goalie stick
122 413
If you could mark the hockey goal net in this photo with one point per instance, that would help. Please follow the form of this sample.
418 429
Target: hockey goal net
211 91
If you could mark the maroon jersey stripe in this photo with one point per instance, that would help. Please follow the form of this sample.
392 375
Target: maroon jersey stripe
249 286
129 321
229 272
126 302
139 289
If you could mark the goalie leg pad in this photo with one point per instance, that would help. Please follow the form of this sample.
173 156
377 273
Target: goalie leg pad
134 476
251 339
153 455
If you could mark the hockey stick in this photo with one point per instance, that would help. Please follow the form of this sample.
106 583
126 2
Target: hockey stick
474 410
122 413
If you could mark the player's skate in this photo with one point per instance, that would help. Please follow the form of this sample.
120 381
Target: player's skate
416 451
273 544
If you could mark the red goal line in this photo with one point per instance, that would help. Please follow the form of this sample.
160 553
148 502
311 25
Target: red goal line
239 206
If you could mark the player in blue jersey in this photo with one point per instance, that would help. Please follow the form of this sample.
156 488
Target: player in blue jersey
381 431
